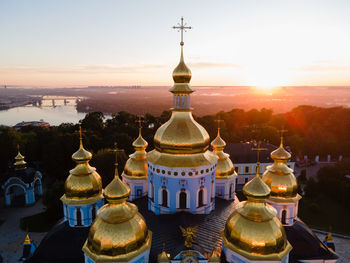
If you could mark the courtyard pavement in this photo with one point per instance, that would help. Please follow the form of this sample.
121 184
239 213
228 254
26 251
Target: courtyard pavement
11 236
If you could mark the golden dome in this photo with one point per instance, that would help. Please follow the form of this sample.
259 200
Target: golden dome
181 141
253 230
163 257
27 240
181 135
280 178
280 153
182 76
136 166
215 257
20 163
84 184
225 168
119 233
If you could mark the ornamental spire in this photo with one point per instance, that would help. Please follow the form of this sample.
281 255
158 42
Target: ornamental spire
182 76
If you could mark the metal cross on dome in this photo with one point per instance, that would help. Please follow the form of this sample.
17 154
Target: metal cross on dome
258 150
281 131
140 121
181 28
219 121
116 151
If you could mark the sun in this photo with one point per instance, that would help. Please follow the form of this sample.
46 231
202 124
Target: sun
265 77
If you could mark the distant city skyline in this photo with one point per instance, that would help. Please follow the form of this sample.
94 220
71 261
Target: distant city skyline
99 42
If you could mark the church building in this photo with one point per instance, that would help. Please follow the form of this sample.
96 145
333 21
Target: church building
184 208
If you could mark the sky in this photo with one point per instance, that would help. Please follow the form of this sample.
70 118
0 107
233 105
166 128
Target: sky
108 42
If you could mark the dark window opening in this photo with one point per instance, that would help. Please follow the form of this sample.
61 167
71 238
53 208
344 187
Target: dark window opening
200 198
164 198
183 197
284 215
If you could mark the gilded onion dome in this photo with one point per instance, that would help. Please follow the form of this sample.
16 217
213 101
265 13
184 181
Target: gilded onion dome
253 230
163 257
20 163
181 141
119 233
225 168
214 257
83 185
136 166
280 178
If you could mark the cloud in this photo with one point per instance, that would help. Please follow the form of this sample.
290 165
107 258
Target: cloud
106 68
203 65
326 65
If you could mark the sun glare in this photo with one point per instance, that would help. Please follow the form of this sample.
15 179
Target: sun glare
265 77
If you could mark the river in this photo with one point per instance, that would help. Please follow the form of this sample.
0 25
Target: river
53 110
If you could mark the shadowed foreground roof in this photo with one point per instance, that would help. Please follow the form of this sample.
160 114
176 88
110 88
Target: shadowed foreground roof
306 245
61 245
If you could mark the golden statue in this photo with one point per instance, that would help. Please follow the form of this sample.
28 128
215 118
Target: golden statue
189 233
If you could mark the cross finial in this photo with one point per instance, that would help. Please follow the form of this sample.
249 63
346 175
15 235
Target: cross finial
80 136
281 131
140 121
18 147
117 151
219 121
181 28
258 149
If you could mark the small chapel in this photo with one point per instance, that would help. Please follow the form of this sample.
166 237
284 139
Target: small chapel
21 184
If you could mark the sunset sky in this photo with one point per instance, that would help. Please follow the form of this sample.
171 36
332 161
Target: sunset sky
246 42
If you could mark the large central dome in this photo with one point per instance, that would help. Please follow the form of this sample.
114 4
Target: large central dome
181 141
181 134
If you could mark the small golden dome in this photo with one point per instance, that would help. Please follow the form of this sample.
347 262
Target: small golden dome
253 230
20 163
136 166
163 257
27 240
182 74
119 233
280 178
280 153
225 168
140 143
84 184
81 155
215 257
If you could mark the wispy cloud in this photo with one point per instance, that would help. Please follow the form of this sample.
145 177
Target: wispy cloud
204 65
326 65
106 68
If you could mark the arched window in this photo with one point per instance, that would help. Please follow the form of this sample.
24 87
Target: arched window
230 193
78 216
164 198
284 215
93 212
200 198
183 200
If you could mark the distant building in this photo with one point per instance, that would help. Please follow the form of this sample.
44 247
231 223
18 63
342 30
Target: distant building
244 160
31 123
